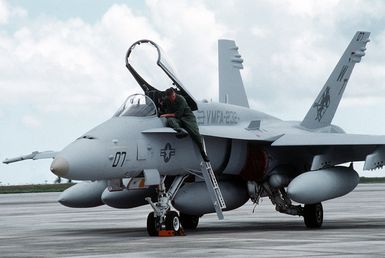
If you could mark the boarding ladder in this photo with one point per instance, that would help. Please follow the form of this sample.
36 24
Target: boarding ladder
213 187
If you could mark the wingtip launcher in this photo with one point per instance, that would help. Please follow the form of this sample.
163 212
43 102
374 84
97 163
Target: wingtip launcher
34 156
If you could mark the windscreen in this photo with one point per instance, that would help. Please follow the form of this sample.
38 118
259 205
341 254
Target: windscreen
137 105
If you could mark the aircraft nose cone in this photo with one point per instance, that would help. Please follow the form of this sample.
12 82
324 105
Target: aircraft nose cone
59 166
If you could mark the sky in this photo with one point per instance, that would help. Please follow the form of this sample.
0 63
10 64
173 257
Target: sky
62 68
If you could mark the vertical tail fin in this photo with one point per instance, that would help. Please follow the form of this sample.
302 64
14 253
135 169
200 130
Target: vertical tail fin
321 113
231 88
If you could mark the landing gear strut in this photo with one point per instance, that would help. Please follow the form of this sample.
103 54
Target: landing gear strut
312 213
281 200
162 219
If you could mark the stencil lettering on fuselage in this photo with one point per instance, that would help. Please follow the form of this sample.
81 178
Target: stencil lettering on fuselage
217 117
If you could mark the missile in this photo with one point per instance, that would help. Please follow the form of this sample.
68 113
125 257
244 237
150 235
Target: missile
193 198
321 185
128 198
83 195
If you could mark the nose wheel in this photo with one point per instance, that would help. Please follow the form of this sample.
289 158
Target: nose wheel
170 226
152 225
173 221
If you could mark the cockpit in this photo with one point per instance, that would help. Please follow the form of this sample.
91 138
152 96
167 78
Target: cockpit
148 61
138 105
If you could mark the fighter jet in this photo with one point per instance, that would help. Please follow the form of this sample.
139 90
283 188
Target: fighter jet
134 159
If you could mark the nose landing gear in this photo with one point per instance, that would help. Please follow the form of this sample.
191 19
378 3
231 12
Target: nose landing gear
162 221
171 225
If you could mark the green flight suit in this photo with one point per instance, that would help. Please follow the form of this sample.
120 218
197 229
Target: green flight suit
184 118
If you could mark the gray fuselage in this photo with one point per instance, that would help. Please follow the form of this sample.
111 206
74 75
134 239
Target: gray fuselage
118 148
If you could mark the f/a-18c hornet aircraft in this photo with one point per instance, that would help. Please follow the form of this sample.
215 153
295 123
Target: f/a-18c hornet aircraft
133 159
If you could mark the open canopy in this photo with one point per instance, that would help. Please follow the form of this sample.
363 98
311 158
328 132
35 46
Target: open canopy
150 89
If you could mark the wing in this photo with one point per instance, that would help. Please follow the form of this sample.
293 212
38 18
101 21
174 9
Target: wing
327 139
319 149
34 155
328 149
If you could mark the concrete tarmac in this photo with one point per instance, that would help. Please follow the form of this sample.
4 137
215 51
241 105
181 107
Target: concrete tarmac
35 225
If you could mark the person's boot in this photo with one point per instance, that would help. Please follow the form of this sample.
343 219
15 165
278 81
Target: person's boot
180 133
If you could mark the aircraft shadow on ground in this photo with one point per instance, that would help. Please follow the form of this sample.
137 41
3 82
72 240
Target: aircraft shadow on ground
239 227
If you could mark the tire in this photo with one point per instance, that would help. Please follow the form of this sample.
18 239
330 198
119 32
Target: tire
313 215
151 225
189 221
172 221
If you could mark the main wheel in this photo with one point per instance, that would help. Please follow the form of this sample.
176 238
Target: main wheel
189 221
172 221
313 215
152 225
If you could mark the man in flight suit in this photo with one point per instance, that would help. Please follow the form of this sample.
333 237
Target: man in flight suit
179 115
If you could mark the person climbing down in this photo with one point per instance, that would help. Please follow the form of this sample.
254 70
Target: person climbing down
179 115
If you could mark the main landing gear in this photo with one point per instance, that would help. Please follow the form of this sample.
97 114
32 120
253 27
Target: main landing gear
312 213
162 221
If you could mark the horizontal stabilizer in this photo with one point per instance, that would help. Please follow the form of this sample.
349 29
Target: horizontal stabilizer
340 148
375 159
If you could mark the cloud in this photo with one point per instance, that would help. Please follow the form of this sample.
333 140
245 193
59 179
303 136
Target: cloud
291 47
70 73
75 67
4 12
190 33
69 65
59 65
7 12
31 122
